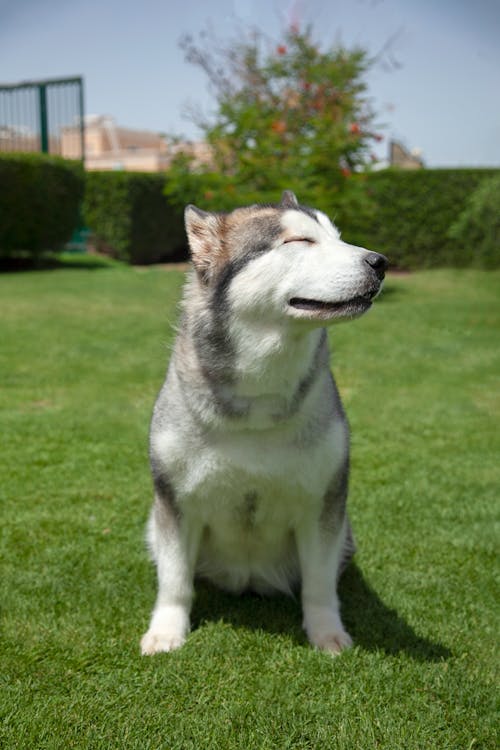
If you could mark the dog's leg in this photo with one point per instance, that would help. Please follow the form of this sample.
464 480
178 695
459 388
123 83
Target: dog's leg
174 545
320 555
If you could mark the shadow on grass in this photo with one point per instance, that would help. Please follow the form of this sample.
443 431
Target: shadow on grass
376 627
372 625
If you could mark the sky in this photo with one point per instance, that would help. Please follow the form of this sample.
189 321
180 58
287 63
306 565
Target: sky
442 95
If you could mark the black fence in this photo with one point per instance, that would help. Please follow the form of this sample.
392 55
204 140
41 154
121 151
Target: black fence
45 116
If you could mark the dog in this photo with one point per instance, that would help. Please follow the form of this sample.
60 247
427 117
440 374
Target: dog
249 443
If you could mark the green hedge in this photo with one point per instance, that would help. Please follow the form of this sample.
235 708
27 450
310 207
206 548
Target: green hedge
40 197
130 218
409 219
411 215
407 216
478 226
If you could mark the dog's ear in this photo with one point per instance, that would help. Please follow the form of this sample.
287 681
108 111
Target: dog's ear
288 200
203 231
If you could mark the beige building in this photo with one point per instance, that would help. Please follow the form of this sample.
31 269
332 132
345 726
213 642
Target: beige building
399 156
111 147
19 138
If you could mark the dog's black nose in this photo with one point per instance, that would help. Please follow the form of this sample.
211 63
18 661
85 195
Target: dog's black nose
378 262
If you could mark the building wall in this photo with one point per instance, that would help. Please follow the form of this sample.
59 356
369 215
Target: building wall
399 156
110 147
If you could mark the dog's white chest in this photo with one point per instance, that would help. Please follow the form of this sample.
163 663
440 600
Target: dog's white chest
248 492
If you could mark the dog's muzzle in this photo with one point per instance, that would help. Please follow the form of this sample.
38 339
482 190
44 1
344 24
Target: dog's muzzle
353 307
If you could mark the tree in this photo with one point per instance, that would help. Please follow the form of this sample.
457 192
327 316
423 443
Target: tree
288 115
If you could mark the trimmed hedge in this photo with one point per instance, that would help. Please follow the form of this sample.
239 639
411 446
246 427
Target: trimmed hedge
407 217
40 198
477 229
130 218
411 214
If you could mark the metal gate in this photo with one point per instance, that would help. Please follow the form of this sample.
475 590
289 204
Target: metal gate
45 116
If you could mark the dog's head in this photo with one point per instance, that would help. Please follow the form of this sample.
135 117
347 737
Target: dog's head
284 261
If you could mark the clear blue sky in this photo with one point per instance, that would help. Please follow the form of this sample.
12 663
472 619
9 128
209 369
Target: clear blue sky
444 97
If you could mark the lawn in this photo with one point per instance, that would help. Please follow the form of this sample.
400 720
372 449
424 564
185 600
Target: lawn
82 354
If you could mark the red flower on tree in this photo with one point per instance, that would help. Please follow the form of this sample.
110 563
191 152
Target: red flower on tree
281 49
278 126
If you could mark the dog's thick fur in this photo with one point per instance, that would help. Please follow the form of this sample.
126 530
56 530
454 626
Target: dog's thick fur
249 442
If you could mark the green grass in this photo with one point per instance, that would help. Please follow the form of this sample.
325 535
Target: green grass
82 355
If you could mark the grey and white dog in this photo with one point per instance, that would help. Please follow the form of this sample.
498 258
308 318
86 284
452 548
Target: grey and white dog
249 442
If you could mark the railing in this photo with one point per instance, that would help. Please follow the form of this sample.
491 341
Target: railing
45 116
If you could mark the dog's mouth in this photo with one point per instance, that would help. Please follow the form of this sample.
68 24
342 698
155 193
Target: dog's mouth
319 309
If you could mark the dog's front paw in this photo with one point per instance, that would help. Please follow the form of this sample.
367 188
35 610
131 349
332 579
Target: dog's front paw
167 632
154 642
334 642
325 630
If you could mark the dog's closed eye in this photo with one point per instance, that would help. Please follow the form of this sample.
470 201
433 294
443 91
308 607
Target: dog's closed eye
299 239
